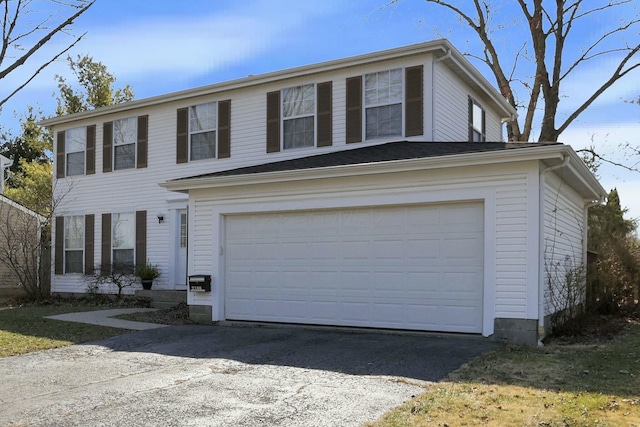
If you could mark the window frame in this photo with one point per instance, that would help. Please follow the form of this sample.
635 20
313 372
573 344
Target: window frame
476 134
401 102
79 221
67 152
313 115
191 132
134 134
114 248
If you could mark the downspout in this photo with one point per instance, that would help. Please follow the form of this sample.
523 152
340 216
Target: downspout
433 92
541 280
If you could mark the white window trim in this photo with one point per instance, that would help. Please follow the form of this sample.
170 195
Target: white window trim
365 106
480 131
67 152
64 241
113 224
299 116
215 129
135 144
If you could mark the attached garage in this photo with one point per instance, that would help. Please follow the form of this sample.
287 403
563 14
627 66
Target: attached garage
405 267
443 237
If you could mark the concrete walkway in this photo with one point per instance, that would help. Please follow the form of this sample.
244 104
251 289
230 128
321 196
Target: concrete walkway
105 318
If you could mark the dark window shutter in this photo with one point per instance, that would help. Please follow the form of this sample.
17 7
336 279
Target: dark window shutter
224 129
91 150
59 246
143 141
484 128
324 106
273 122
105 256
89 228
354 109
182 136
414 100
107 143
141 238
60 156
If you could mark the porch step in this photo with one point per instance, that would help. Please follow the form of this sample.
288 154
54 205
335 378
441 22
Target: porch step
163 299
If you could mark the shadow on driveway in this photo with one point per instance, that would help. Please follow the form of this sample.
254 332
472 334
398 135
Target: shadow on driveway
418 356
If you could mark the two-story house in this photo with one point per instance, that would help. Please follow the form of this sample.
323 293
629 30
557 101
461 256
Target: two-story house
372 191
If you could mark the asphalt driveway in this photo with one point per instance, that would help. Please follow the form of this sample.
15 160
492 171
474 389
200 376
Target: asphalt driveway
227 376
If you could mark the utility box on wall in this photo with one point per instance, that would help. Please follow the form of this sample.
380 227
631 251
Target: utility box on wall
200 283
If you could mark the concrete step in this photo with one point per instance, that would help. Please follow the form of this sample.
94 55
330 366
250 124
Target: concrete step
163 299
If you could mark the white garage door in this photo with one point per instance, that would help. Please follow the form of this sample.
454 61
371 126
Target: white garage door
409 267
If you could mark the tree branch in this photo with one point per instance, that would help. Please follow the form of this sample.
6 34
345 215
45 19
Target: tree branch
42 67
617 75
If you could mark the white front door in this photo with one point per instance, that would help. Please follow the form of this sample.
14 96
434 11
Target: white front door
181 248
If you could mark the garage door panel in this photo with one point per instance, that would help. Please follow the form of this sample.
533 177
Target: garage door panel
466 247
388 267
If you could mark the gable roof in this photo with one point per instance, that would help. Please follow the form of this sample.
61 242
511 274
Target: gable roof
441 49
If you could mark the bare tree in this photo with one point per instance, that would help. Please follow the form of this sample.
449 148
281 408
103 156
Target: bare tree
27 29
549 24
23 248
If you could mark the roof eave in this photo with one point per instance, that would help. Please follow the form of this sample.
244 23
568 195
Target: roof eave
438 47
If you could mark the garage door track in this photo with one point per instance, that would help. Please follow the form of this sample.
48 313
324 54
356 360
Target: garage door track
227 375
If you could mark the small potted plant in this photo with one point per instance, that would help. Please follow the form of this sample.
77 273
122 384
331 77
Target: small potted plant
147 273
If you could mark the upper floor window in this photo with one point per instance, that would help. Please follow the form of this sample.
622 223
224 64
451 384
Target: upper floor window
203 131
125 143
74 244
125 135
75 146
298 116
476 122
203 123
123 240
383 103
76 151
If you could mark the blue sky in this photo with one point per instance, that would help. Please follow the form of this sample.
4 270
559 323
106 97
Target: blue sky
160 46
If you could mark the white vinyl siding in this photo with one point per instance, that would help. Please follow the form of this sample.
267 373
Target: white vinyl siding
512 273
564 234
451 109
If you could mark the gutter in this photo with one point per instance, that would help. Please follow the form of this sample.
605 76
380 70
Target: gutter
541 278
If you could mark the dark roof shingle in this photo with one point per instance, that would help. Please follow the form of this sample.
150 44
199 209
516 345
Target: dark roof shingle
401 150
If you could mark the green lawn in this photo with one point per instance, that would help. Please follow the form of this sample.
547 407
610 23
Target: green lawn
557 385
24 329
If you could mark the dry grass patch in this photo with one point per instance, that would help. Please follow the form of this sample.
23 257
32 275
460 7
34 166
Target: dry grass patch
557 385
24 329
